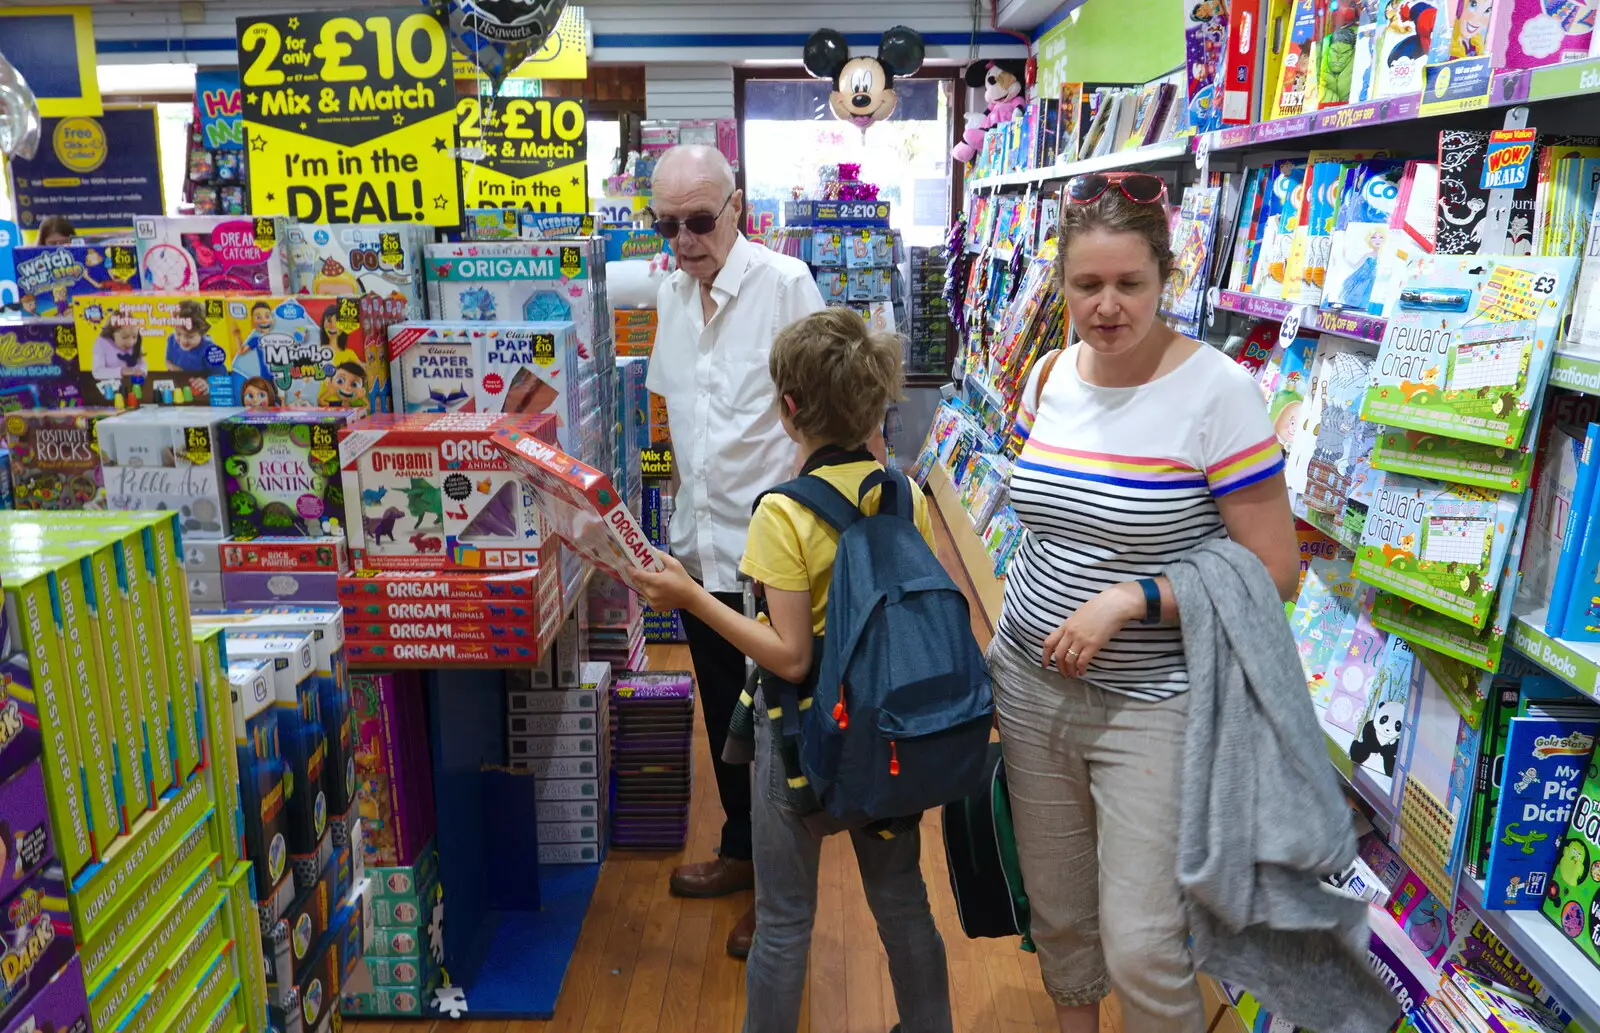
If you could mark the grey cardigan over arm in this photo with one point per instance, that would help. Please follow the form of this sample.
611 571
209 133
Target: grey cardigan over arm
1263 820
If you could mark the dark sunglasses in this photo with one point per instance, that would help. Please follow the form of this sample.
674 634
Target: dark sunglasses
700 225
1138 187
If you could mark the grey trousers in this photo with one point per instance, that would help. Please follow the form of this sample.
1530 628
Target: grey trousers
1094 796
786 857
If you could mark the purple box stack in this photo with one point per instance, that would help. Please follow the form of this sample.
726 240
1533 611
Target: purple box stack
394 775
652 754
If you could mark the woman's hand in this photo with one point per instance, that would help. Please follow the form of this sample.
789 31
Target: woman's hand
1071 647
670 589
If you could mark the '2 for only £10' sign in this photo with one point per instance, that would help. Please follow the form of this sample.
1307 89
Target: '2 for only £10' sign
350 119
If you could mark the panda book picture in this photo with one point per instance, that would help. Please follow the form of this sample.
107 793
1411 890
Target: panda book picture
1374 748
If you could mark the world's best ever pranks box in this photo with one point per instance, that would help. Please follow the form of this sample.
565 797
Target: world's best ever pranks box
430 492
197 253
309 352
157 349
281 472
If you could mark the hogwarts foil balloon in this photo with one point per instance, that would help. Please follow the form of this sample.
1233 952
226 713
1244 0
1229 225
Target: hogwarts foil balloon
498 35
863 87
19 114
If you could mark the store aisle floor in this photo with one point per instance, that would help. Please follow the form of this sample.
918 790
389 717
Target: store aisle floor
647 961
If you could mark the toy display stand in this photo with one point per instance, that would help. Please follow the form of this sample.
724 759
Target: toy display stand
507 940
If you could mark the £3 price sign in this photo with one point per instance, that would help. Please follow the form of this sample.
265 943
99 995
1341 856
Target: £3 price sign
524 152
350 119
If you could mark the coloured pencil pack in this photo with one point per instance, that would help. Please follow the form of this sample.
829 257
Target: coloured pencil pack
50 276
157 349
194 253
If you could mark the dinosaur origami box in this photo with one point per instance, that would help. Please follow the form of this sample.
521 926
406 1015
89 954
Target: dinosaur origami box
429 491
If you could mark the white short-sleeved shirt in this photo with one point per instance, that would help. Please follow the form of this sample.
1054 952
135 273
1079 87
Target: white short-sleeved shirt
727 442
1114 484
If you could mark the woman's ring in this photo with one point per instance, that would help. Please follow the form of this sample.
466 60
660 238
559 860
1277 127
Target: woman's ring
1072 652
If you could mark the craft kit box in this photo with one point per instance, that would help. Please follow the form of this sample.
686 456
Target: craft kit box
384 259
426 492
241 589
55 458
195 253
61 1007
306 352
145 348
167 459
524 283
281 473
50 276
327 554
39 364
390 651
432 366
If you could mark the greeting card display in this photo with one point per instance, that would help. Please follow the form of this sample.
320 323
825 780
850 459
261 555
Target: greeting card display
428 492
136 349
49 277
39 365
304 352
578 504
372 258
190 253
1442 546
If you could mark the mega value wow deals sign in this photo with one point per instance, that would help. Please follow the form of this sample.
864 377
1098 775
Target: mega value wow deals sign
350 119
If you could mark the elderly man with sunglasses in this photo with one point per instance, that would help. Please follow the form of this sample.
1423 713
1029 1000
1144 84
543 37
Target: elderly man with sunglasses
718 315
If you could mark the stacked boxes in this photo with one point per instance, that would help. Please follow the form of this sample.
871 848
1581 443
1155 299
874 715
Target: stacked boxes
448 615
394 788
430 492
559 732
615 624
930 313
402 966
635 331
39 364
276 571
652 729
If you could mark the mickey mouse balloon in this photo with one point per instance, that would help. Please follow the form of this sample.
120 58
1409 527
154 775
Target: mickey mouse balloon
863 87
498 35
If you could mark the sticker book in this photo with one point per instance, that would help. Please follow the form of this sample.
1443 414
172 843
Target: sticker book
157 349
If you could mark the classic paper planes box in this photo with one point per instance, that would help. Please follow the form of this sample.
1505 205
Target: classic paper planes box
39 364
143 348
427 492
372 258
432 366
305 352
280 472
50 276
193 253
578 504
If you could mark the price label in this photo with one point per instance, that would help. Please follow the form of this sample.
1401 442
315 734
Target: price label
350 119
526 152
1290 328
1202 150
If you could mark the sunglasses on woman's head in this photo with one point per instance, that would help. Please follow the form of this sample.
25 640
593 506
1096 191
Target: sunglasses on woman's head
700 225
1138 187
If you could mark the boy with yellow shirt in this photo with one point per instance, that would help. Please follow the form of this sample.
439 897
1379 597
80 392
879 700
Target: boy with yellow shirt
834 380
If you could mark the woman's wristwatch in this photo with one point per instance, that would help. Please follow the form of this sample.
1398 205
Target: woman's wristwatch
1152 600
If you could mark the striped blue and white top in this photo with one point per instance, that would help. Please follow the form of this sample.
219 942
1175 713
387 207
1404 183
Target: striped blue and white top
1114 484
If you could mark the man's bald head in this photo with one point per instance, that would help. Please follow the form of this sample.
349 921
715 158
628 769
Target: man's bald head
695 180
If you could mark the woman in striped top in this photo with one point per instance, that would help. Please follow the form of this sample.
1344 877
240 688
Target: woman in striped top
1141 444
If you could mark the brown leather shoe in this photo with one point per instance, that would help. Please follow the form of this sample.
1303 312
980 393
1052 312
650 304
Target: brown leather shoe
716 878
743 934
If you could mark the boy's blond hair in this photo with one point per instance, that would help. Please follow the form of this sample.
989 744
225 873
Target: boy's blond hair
840 375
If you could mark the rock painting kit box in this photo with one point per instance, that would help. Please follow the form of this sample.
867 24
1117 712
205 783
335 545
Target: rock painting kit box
55 458
281 472
204 253
167 459
147 348
39 364
50 276
426 492
307 352
383 259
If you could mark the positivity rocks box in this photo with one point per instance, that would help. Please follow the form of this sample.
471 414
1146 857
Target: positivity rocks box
426 492
166 349
213 253
55 458
281 472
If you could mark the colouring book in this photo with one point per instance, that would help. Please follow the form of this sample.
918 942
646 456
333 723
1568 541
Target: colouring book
1369 198
1324 622
1341 442
1442 546
1464 202
1572 900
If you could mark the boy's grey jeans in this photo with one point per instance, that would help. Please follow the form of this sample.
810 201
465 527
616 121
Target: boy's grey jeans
786 857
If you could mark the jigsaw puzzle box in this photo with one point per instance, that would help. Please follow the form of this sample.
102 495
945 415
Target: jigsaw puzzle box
431 492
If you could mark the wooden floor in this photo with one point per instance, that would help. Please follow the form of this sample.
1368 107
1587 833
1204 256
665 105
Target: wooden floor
648 962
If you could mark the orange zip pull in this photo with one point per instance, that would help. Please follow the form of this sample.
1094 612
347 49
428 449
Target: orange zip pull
894 759
839 714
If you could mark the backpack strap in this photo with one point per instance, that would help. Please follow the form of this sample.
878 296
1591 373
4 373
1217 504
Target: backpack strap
830 505
896 499
1047 366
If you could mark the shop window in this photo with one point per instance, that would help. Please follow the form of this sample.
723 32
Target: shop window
790 134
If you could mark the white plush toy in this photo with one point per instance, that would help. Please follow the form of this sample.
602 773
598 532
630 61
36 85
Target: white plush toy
634 282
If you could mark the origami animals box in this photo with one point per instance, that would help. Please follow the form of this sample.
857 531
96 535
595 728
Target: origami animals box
430 492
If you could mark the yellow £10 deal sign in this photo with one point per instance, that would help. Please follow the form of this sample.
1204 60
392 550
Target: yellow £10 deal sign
524 152
350 119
